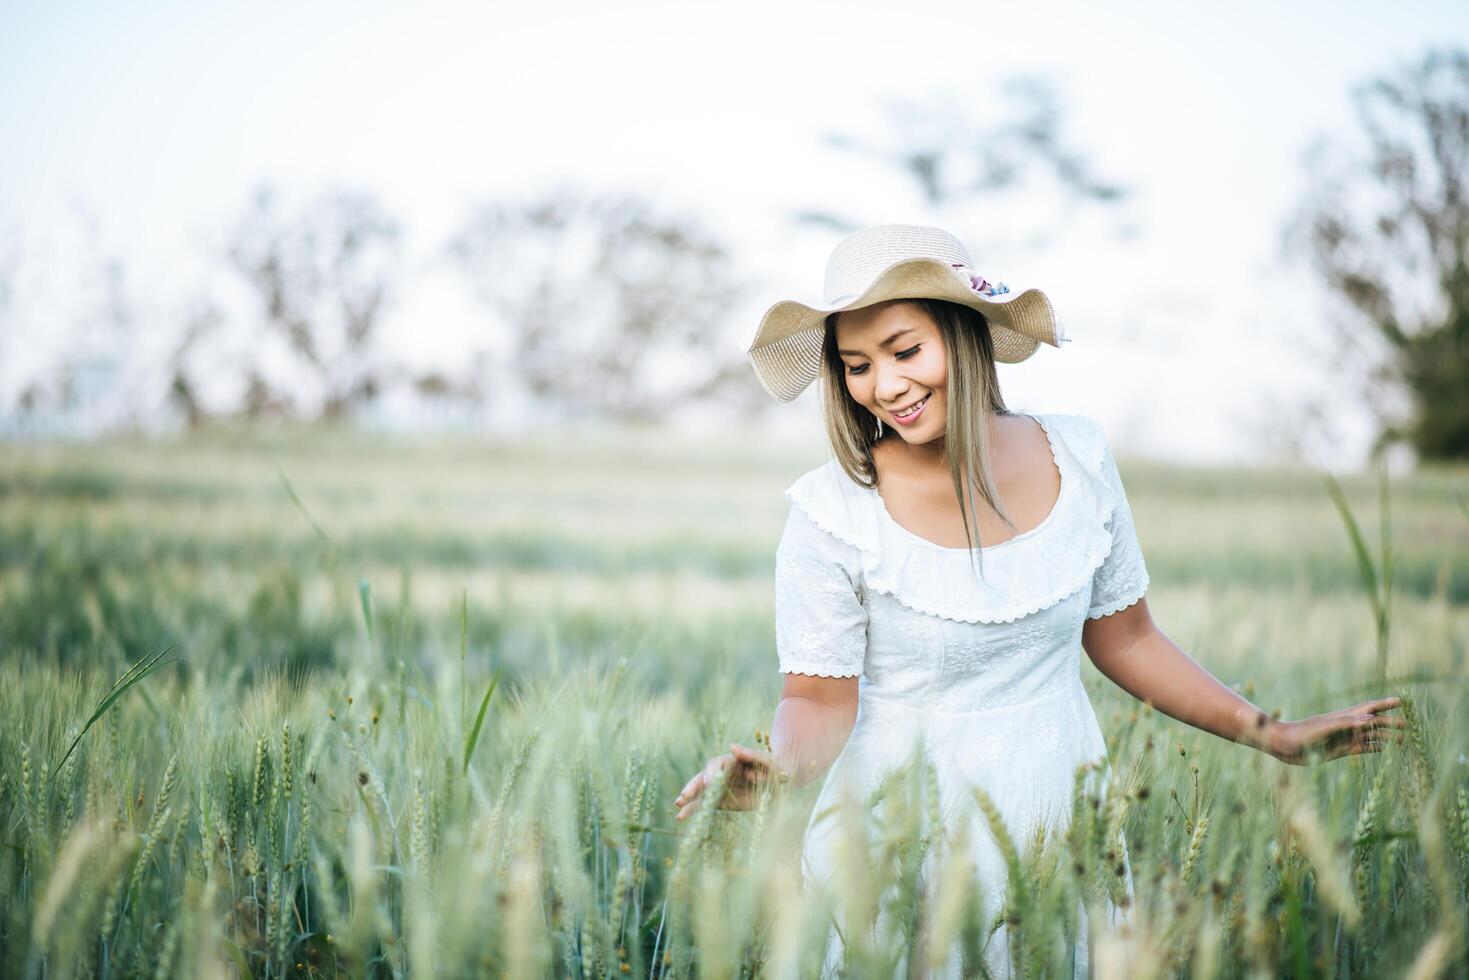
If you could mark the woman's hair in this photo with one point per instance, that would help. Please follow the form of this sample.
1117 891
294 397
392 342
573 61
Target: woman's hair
973 389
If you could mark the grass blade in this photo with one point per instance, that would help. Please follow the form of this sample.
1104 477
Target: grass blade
1387 553
296 499
463 656
479 721
1359 545
237 956
137 672
364 596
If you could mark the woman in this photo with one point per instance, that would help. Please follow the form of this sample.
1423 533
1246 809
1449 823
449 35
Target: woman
936 580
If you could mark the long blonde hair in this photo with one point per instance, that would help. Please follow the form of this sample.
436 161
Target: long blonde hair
973 390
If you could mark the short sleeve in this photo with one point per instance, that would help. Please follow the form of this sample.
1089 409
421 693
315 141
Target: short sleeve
820 622
1122 578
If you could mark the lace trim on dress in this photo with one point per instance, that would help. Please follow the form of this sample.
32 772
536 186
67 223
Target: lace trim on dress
820 671
1023 575
1120 604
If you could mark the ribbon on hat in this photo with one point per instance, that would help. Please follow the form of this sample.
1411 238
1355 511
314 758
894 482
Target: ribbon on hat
979 284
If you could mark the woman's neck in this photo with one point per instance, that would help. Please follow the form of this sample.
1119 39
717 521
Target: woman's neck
932 457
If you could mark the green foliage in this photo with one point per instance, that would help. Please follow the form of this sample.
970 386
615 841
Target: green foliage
479 720
1388 235
471 771
268 830
135 674
1377 577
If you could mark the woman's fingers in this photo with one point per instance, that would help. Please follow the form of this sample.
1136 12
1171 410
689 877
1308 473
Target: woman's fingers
1360 717
691 789
1374 735
693 794
1378 726
753 756
694 787
1350 731
1379 704
746 767
757 766
1361 737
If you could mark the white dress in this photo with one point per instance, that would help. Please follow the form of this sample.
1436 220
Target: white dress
985 673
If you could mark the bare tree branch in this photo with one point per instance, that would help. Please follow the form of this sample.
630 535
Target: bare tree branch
323 277
952 154
612 307
1387 235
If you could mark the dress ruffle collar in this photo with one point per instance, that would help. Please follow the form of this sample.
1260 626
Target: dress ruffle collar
1023 575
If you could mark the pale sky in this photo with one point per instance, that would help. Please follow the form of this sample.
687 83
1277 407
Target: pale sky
138 130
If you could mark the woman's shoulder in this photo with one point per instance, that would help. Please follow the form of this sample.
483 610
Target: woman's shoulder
834 502
1082 435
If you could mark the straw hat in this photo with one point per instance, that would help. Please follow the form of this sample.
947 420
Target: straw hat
896 262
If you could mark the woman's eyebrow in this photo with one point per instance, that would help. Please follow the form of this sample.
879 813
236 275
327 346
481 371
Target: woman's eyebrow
885 343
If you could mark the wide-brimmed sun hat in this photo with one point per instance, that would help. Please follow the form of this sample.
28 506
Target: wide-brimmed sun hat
896 262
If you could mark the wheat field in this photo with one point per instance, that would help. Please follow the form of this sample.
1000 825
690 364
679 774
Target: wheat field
324 704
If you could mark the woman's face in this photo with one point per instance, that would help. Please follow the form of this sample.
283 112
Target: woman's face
894 362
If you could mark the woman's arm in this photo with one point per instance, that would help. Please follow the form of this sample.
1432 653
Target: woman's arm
1134 653
812 723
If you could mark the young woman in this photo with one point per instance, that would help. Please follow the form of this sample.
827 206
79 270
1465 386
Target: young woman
938 578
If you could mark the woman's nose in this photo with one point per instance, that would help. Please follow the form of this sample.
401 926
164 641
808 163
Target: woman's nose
890 385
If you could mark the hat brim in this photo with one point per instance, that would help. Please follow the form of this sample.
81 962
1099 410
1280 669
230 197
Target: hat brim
786 351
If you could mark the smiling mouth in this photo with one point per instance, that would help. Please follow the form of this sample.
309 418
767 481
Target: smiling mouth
912 408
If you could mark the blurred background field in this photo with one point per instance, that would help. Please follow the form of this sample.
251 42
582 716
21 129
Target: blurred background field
305 789
121 546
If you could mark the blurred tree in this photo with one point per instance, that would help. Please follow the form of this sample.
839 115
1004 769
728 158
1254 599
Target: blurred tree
203 320
612 308
440 386
1387 235
953 155
323 277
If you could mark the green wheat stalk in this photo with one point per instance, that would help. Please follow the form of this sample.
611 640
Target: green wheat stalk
300 505
1379 596
479 721
148 665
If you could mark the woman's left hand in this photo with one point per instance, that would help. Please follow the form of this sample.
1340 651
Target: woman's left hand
1347 731
745 770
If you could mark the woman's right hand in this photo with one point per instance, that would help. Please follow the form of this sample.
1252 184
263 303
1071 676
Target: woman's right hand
745 771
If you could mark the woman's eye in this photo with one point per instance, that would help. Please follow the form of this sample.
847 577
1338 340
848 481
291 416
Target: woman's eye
856 370
903 355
